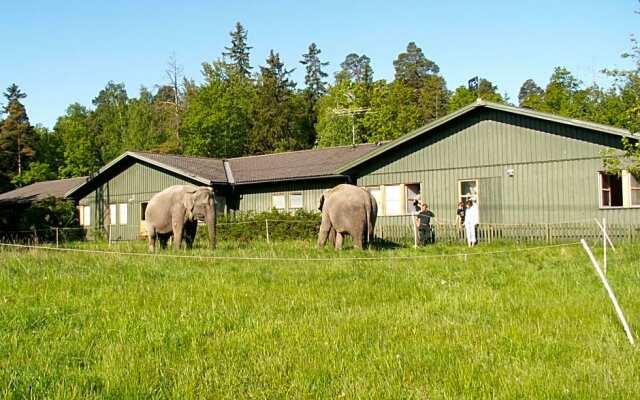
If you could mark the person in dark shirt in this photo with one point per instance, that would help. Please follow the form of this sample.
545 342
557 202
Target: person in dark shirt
423 222
460 213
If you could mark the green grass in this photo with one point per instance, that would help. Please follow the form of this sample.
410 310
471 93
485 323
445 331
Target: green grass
535 324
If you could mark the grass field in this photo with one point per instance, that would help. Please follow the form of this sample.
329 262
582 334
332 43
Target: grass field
534 324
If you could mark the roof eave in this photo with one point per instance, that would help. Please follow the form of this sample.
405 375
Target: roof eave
303 178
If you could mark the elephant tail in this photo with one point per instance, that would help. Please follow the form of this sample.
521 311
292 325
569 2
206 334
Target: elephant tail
367 211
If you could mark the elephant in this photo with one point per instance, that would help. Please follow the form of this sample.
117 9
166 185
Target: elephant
176 211
347 209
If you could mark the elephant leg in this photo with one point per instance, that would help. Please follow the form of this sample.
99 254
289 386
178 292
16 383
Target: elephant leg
332 236
359 238
339 239
163 239
323 234
152 241
178 229
190 229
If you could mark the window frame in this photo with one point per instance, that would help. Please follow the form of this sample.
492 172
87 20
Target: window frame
284 201
143 209
113 212
465 197
291 206
601 189
406 197
122 206
382 197
633 188
83 213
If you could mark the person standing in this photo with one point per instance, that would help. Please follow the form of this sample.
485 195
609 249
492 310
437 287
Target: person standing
471 220
460 219
423 222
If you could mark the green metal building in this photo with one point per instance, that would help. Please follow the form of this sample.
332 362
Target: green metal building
522 167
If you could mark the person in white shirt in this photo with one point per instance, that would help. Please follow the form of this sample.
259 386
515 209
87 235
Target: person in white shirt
471 220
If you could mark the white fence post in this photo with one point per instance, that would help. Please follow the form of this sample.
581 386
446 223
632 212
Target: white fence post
604 244
612 296
266 223
57 230
109 235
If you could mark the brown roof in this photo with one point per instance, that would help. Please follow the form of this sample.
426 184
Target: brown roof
41 190
208 168
295 164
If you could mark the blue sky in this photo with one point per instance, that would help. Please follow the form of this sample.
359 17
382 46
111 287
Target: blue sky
61 52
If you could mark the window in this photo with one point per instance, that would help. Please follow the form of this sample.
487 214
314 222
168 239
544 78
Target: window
84 215
295 200
634 190
377 194
122 214
393 200
469 190
619 190
143 210
278 201
112 214
412 194
610 190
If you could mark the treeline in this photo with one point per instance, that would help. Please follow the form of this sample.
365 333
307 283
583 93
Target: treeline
239 109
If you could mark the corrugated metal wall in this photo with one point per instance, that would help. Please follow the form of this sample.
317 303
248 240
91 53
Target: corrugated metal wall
259 198
555 169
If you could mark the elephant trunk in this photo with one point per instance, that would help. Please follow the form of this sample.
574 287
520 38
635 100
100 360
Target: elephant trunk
210 218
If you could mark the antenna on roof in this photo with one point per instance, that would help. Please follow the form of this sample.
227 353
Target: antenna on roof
341 111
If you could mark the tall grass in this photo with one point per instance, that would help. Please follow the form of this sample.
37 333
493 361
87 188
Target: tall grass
511 325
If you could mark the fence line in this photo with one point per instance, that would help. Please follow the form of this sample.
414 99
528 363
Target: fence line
296 259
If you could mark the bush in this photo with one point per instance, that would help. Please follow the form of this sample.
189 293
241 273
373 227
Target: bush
37 218
244 227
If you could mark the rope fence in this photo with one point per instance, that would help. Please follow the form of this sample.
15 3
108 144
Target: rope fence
295 259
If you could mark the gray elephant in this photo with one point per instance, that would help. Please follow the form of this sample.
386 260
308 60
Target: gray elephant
347 210
176 211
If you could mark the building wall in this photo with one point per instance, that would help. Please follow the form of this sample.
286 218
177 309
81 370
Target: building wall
259 198
555 169
133 186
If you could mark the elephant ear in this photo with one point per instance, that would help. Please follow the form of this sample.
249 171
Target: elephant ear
321 202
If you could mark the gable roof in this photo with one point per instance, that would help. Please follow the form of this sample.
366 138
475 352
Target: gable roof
203 168
487 105
296 165
41 190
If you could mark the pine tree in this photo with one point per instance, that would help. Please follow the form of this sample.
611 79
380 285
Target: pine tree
278 112
239 51
16 134
528 93
412 66
358 68
313 79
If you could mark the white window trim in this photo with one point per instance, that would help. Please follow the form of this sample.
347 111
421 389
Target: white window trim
291 206
113 212
626 192
123 207
84 215
284 201
382 200
478 197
